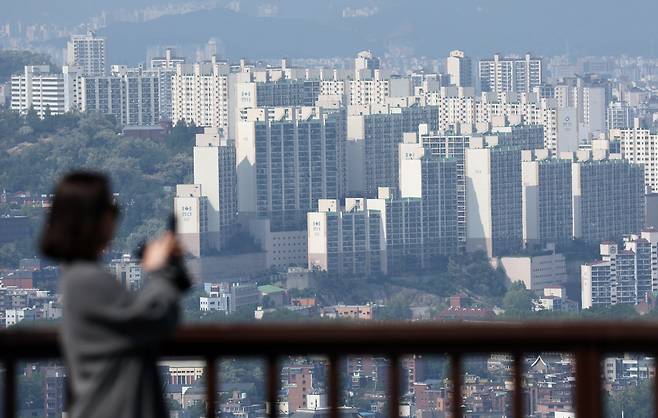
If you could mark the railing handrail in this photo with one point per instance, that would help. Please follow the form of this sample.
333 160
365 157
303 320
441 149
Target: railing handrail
589 341
276 338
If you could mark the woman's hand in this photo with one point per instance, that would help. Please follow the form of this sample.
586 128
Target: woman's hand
159 252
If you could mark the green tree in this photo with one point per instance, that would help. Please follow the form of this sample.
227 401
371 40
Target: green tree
518 300
14 62
397 309
143 171
283 315
633 401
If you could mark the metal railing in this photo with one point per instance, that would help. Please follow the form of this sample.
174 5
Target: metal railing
587 341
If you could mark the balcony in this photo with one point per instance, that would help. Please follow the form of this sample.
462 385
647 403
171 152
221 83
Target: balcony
587 341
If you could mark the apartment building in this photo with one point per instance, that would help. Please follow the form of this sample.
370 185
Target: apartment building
38 89
546 199
502 74
87 52
288 159
200 94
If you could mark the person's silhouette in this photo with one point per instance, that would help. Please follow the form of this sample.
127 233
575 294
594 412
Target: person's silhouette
110 337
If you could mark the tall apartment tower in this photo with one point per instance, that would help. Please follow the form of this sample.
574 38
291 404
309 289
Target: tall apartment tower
169 61
493 200
349 241
620 115
375 135
191 209
288 158
38 89
454 145
131 95
365 65
501 74
200 95
640 146
88 53
434 180
214 171
608 196
459 69
546 199
164 68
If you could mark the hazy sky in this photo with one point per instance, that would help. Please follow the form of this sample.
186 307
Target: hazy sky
326 27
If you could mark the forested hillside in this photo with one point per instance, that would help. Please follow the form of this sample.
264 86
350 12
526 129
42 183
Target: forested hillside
13 62
34 153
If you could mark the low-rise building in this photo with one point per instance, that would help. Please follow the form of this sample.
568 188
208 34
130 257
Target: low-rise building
229 297
554 298
128 272
361 312
536 272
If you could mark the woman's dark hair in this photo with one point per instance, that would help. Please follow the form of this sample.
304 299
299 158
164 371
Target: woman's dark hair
74 226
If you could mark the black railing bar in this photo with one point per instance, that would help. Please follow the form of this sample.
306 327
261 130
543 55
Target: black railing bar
333 386
588 383
394 386
655 386
456 377
517 400
273 380
229 349
302 339
9 387
211 386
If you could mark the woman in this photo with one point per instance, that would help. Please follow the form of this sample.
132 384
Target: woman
110 336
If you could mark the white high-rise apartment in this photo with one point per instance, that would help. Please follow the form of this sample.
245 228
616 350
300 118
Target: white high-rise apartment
546 199
594 107
623 275
367 91
608 196
374 134
493 199
169 61
288 158
459 69
164 68
88 53
620 116
200 94
501 74
589 98
131 95
38 89
640 146
434 179
450 146
365 64
214 171
191 210
349 241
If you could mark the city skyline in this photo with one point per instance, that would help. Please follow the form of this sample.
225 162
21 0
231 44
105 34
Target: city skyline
348 163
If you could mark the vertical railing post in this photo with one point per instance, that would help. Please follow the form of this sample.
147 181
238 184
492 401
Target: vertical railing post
517 400
10 388
456 373
394 386
273 377
211 386
655 385
333 386
588 383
